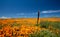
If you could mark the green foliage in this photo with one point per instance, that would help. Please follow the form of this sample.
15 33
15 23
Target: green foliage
15 24
43 33
1 26
37 24
45 24
55 25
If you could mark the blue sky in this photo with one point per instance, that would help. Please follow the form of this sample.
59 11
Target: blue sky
29 8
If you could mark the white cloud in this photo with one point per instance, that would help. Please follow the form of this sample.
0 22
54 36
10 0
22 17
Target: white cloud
51 11
3 17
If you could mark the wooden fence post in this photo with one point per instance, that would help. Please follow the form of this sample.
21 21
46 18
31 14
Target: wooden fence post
38 17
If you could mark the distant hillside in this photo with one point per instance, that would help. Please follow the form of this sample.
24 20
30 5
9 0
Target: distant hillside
50 19
27 21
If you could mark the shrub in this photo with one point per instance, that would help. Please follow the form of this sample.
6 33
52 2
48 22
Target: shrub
1 26
15 24
55 25
43 33
44 24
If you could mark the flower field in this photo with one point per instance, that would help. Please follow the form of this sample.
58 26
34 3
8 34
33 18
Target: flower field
29 28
